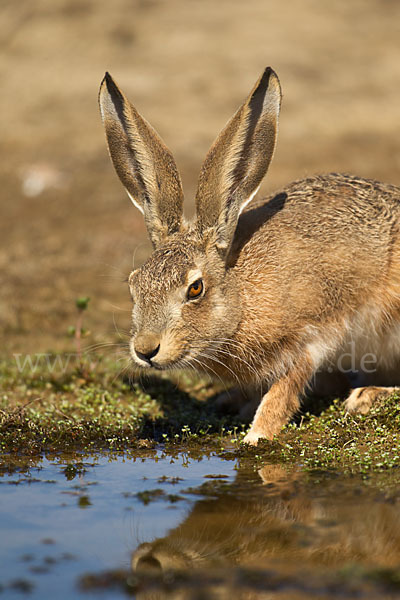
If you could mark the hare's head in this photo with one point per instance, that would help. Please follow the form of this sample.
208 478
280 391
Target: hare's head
186 297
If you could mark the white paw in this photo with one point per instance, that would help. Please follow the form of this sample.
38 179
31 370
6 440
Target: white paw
252 438
361 399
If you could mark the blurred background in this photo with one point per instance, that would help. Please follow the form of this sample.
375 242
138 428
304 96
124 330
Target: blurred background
67 226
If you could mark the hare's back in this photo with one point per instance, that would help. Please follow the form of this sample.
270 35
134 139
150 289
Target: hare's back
333 237
326 211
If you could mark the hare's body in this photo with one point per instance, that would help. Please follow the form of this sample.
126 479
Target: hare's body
329 247
267 293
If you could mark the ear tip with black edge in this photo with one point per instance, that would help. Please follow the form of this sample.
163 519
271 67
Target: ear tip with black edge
263 82
108 81
268 73
104 80
107 88
270 77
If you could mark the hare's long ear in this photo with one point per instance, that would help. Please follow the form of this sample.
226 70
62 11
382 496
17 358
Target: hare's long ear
238 160
143 163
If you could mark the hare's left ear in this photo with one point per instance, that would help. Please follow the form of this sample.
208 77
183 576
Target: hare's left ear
143 163
238 160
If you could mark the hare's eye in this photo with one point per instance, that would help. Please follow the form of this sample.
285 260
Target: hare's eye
195 289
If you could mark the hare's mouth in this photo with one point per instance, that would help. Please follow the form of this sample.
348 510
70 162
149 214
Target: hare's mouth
164 366
163 351
160 363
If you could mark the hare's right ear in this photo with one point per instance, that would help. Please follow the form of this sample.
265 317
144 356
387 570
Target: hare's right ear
238 160
143 163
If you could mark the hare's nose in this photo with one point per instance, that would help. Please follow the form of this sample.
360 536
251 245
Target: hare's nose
146 347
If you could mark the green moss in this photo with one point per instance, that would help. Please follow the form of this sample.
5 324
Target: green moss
87 407
97 407
41 410
335 439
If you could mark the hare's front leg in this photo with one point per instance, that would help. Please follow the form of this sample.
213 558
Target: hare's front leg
278 405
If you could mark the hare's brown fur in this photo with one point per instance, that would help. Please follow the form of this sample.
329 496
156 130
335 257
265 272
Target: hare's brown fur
291 285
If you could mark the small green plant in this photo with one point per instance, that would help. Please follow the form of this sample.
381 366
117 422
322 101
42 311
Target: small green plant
78 331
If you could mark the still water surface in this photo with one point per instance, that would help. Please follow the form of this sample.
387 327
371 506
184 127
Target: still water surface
162 526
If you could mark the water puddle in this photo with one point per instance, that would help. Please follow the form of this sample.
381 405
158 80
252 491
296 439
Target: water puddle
185 527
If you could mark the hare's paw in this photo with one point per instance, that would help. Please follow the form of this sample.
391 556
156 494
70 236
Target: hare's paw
253 437
361 399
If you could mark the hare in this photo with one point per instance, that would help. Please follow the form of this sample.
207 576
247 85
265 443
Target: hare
269 293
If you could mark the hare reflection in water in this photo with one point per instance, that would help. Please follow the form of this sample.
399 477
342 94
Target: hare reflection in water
286 524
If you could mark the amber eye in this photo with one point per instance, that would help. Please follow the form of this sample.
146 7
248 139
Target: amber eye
195 289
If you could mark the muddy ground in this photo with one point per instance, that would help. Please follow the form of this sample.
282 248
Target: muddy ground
67 227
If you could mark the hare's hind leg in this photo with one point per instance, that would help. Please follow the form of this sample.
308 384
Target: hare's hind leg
361 399
384 379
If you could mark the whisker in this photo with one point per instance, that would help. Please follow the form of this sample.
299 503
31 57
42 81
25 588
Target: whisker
240 359
210 354
121 371
102 346
134 253
118 331
229 342
116 307
213 358
209 369
114 268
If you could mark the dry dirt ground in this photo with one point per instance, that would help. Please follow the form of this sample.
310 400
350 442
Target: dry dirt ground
67 227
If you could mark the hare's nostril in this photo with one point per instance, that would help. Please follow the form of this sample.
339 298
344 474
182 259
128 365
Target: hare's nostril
147 354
